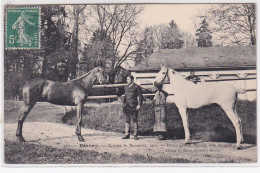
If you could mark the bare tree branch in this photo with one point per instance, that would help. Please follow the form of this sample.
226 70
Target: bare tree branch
236 21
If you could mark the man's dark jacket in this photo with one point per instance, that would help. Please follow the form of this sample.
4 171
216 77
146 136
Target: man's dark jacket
131 94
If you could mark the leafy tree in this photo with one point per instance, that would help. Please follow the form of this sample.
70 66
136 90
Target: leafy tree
189 40
167 36
99 52
203 35
234 24
19 65
172 38
161 37
146 45
56 43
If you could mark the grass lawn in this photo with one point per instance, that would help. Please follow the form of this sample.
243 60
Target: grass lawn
208 123
27 153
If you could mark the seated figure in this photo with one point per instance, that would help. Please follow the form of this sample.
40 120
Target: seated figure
192 77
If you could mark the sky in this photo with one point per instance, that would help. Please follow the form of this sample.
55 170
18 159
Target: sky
182 14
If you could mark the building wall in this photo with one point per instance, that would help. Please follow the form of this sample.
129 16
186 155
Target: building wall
242 78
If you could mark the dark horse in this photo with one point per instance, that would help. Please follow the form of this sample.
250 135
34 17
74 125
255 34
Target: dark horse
73 93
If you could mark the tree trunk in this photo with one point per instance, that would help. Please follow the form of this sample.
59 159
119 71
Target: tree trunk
74 59
27 72
251 19
44 68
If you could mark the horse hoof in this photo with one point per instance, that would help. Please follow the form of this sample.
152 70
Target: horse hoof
238 147
81 139
20 139
187 142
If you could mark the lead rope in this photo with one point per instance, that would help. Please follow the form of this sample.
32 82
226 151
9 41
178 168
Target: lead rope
160 104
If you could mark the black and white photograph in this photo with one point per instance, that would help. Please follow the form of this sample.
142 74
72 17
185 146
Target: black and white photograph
130 84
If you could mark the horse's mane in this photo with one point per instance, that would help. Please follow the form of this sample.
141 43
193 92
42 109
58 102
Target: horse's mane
82 76
180 76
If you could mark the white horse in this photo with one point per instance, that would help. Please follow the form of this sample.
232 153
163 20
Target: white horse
190 95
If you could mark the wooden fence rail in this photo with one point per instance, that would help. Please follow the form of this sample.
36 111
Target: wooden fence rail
113 96
109 85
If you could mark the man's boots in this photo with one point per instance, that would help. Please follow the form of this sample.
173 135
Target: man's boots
135 131
127 131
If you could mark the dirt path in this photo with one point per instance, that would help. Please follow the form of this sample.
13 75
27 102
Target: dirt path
63 136
43 126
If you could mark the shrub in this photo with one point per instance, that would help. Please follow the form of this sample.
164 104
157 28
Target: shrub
208 123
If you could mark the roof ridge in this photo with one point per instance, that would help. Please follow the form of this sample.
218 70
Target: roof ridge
229 56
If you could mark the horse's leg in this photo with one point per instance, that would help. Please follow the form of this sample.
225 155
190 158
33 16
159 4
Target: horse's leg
184 116
26 109
240 123
79 122
64 110
236 121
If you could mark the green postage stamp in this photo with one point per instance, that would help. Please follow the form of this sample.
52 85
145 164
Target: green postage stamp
22 28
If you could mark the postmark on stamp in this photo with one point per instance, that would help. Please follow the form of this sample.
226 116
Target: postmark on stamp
22 28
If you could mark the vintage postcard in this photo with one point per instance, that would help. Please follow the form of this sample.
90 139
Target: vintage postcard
130 84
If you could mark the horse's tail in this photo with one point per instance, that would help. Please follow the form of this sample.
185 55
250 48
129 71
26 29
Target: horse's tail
240 90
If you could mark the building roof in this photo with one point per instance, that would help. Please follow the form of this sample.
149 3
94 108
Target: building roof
239 57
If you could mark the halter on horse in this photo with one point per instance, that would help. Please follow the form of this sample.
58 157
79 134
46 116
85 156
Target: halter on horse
74 93
189 95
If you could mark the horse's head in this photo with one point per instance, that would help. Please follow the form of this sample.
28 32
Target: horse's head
100 75
162 77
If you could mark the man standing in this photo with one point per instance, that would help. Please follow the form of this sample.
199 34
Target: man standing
132 103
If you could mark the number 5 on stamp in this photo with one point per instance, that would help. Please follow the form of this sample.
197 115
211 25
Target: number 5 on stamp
22 28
